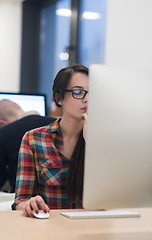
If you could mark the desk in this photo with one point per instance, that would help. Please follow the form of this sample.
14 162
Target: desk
14 226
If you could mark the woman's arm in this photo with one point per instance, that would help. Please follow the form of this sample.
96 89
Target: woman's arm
27 198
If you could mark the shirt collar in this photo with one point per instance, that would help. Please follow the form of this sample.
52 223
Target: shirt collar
55 127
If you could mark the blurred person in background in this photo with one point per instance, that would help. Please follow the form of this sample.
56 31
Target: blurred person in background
9 112
14 123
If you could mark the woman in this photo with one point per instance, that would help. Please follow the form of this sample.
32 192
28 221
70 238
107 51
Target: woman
51 158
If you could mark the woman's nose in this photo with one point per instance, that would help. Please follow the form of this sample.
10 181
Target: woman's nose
85 99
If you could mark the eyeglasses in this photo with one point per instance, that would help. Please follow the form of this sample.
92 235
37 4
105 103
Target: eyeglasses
77 93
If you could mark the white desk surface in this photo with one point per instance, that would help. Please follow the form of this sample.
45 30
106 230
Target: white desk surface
15 226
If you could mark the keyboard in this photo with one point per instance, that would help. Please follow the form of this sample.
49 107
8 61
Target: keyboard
101 214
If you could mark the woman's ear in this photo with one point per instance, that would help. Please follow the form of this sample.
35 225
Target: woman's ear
60 102
58 99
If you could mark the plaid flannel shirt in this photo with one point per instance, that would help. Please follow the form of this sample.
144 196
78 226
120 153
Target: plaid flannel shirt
42 169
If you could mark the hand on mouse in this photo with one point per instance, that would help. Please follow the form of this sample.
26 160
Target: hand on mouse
35 203
85 117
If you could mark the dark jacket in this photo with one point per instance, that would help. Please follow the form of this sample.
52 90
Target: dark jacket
10 139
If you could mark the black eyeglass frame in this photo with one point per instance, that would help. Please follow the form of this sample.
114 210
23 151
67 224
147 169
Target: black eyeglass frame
73 92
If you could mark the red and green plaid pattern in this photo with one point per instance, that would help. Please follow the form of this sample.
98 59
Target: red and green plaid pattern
42 169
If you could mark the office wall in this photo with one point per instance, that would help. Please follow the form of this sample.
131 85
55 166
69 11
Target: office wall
129 33
10 44
128 37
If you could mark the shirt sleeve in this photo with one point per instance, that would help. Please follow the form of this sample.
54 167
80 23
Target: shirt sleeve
26 180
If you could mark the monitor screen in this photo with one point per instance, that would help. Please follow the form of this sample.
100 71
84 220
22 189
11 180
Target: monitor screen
28 102
118 157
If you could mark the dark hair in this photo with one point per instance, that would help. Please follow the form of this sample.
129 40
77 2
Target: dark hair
76 171
74 186
62 80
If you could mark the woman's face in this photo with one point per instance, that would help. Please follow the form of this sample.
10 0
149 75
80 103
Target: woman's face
71 106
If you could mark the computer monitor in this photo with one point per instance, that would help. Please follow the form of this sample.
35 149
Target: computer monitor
118 157
28 102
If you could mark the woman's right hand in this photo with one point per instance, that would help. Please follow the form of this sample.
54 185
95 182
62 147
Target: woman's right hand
35 203
85 117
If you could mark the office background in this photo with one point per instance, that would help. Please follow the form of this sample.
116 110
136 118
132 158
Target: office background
36 40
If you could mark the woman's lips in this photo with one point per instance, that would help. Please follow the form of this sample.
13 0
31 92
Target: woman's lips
84 109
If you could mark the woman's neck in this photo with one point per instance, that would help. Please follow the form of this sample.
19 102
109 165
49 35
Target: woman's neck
71 127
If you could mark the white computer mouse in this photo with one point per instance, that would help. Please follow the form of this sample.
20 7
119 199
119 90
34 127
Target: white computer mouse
41 214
